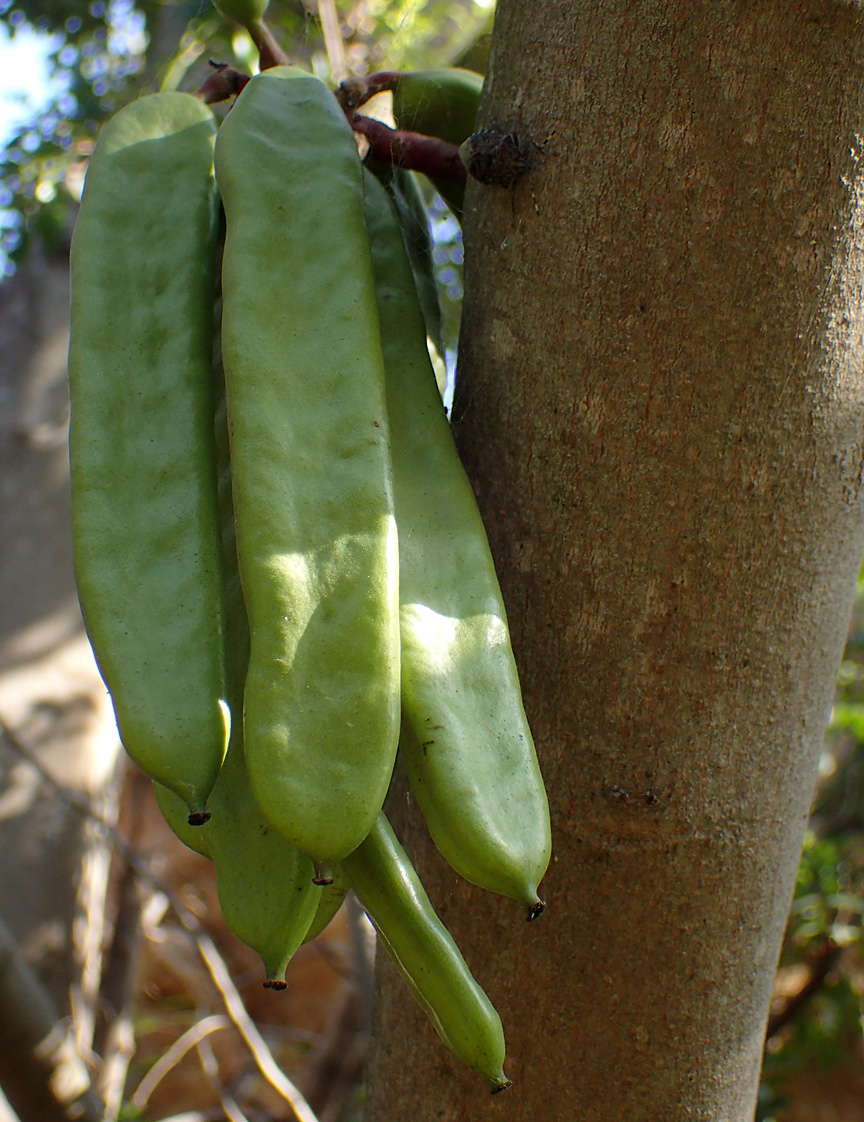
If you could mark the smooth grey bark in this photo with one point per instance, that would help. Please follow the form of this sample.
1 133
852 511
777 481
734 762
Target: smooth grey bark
661 406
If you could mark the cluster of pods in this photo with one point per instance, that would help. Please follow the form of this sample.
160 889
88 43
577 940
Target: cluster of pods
281 565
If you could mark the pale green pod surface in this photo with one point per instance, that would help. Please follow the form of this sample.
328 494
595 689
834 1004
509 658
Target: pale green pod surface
423 950
316 537
237 624
442 102
264 884
176 814
407 194
144 509
245 12
236 628
466 744
329 903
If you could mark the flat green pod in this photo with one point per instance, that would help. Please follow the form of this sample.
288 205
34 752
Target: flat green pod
144 508
431 964
177 816
407 194
404 188
439 102
248 13
466 744
329 902
264 884
316 537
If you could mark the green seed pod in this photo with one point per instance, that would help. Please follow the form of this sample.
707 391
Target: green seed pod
316 537
277 934
404 188
144 511
329 902
423 951
245 12
264 884
466 744
175 813
441 102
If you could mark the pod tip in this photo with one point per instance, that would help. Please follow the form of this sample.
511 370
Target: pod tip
199 817
323 875
501 1084
535 910
275 984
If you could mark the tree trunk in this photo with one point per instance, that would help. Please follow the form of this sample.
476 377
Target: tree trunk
54 711
660 404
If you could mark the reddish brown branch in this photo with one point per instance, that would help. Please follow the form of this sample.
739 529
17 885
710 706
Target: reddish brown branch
403 149
354 92
821 964
225 82
269 52
412 150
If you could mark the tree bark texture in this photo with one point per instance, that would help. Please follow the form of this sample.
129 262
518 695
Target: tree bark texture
660 403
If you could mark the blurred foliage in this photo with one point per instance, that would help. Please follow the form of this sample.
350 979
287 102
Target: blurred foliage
104 53
447 260
822 954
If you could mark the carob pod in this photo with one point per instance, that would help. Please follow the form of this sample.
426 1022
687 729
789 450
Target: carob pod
329 902
387 886
441 102
316 536
248 13
407 194
144 511
276 945
264 884
466 744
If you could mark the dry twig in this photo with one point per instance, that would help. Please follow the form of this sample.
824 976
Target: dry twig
333 40
211 1070
190 1039
205 946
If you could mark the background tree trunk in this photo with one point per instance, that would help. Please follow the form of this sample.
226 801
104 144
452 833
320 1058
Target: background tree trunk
54 867
660 404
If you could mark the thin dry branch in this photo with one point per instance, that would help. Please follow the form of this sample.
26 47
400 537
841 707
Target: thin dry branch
166 1063
820 966
248 1030
333 40
117 993
205 946
229 1104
